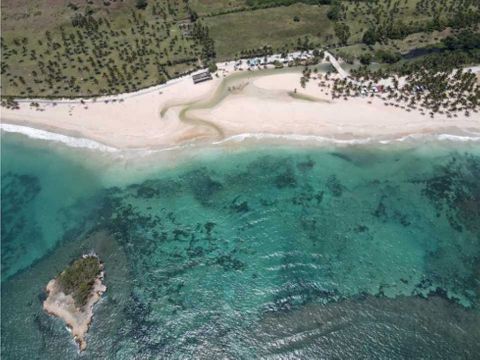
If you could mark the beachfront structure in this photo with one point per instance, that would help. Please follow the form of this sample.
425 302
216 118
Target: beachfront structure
200 77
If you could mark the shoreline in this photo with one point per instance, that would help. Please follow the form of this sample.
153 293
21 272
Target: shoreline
267 106
73 141
119 167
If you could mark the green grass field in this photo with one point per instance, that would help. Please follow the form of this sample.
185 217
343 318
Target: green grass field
273 27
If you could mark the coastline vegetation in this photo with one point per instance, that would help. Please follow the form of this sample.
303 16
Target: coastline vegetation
443 92
79 278
435 83
9 102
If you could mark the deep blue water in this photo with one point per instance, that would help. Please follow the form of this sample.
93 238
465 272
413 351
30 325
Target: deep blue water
336 253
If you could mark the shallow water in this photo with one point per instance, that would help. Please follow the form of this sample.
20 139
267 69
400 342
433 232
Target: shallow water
353 252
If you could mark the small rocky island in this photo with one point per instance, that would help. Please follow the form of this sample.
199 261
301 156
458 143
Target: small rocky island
74 292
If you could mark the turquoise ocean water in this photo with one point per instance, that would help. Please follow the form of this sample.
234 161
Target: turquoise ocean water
359 252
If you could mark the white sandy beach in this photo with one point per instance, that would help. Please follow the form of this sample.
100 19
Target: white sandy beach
260 104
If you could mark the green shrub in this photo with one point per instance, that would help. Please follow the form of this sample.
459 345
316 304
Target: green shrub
365 59
78 279
335 12
212 67
343 32
466 40
141 4
370 37
388 57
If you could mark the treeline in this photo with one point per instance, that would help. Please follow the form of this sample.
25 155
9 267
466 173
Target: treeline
386 25
467 40
258 52
273 3
454 52
399 30
301 44
265 4
384 20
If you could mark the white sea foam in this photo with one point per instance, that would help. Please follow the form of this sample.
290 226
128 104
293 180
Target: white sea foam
439 137
291 137
331 140
458 138
77 142
51 136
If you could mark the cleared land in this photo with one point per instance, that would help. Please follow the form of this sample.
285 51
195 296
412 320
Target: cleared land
280 28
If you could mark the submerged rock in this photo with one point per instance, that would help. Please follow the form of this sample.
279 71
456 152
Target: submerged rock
73 293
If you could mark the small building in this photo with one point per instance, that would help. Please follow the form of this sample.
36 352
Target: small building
200 77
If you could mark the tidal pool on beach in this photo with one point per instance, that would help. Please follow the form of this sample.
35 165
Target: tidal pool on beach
281 252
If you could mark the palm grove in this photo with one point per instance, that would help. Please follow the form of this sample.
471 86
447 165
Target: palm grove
95 54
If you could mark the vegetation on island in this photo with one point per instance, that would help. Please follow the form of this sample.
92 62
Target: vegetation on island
79 278
98 47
